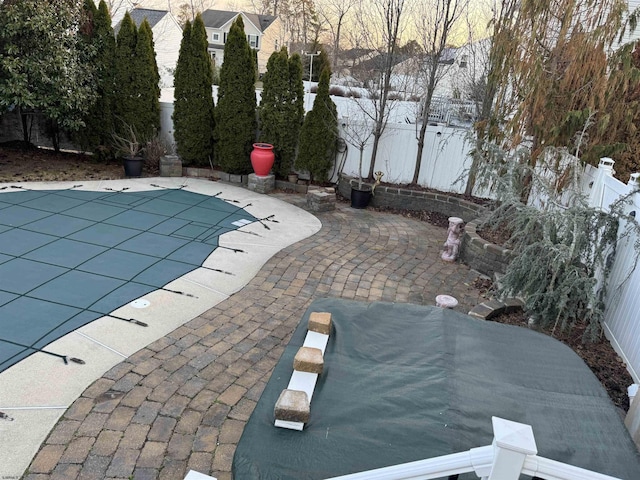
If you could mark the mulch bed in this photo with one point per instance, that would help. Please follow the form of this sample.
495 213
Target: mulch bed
434 218
35 164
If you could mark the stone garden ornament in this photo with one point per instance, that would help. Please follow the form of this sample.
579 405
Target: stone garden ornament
454 234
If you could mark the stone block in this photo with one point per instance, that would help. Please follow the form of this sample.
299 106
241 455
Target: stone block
236 178
320 322
308 359
513 304
260 184
481 311
292 406
321 201
170 166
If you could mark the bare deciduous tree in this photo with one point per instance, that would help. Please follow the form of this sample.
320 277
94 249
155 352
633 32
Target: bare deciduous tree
434 23
382 22
334 13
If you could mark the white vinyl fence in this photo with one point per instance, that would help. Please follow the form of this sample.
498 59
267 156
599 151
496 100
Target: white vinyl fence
622 317
445 157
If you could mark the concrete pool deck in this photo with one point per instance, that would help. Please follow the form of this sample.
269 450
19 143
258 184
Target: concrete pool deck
182 401
36 391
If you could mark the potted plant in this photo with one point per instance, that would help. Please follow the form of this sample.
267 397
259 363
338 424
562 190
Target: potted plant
131 149
357 133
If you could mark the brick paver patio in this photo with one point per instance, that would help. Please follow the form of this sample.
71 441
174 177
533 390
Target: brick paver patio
182 402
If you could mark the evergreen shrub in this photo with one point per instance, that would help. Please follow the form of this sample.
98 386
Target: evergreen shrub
235 113
319 134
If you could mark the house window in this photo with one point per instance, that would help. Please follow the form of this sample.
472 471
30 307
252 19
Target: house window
253 41
213 58
225 37
275 46
463 61
216 37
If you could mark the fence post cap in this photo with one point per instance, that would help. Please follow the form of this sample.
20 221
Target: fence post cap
514 436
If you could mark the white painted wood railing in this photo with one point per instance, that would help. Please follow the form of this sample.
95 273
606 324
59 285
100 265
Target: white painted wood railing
512 452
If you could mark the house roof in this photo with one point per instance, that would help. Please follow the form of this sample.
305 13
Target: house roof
139 14
379 62
153 16
354 53
219 18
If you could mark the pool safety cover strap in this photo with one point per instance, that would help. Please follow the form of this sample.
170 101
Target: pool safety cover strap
404 382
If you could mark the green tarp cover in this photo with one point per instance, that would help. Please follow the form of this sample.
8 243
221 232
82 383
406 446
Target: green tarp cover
405 382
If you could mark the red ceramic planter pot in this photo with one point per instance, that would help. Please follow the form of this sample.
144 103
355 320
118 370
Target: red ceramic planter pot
262 158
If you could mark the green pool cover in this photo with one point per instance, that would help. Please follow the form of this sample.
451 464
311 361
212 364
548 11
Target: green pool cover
68 257
405 382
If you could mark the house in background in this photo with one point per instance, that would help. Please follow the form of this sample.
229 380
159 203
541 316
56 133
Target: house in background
263 34
167 36
167 33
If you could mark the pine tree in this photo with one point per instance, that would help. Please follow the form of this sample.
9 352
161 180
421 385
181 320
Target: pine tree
193 106
99 124
319 133
125 105
235 114
147 79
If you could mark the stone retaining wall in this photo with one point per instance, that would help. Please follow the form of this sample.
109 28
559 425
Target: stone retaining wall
475 252
402 198
481 255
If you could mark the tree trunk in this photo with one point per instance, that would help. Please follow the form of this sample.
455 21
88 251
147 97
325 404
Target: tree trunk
336 49
416 171
381 120
425 118
26 128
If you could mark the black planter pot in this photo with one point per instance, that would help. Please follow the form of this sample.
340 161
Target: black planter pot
360 198
133 166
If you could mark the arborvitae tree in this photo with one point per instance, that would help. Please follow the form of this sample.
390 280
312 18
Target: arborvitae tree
193 106
282 109
125 105
147 81
254 57
319 133
273 109
235 114
295 111
99 124
323 61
